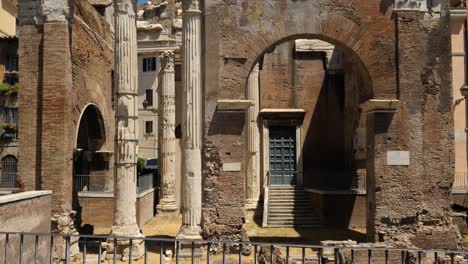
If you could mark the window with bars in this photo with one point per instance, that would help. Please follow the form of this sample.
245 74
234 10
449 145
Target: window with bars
8 174
150 64
9 122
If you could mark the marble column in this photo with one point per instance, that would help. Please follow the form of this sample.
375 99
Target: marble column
191 121
253 142
126 139
167 145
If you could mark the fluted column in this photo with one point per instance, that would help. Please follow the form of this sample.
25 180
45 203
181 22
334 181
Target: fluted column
192 121
167 155
252 142
126 78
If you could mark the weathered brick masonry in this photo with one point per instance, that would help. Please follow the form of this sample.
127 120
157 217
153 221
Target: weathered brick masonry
66 63
403 55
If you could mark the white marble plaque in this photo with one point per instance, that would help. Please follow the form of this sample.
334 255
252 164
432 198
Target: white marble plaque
231 166
398 158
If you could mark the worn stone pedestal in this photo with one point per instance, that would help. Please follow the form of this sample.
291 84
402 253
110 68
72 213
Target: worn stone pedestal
123 246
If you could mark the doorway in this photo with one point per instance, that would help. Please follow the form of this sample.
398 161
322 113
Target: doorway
282 155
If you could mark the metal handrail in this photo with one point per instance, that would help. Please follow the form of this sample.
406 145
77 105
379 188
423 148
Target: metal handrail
323 251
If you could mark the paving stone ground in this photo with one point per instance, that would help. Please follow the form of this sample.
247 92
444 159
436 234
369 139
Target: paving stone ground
168 227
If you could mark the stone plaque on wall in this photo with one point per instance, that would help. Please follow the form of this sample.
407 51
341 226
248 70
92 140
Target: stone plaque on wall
231 166
398 158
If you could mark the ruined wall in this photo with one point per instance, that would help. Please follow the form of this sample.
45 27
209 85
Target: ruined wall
423 125
402 199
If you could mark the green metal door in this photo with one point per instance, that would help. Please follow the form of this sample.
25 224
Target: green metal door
282 155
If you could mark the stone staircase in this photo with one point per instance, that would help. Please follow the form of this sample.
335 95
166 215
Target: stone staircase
291 207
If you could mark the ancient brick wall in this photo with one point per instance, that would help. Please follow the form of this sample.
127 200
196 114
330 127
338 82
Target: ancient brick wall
403 199
65 66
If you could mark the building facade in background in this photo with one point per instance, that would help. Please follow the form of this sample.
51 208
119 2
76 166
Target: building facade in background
9 74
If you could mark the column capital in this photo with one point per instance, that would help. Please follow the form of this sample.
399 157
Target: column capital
124 6
167 61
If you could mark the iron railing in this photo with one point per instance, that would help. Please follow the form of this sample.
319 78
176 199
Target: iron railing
57 248
145 182
89 183
8 172
98 183
8 181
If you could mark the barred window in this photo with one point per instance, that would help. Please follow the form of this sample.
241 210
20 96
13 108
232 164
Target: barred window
9 169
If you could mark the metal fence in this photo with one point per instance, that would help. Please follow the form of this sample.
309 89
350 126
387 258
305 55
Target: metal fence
460 183
97 183
145 182
89 183
57 248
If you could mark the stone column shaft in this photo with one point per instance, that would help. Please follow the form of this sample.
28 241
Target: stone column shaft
167 155
126 74
253 141
192 123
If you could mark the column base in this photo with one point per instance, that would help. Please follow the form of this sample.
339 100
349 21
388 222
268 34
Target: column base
186 249
189 233
167 208
122 247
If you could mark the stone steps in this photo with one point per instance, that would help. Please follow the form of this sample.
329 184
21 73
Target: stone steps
290 207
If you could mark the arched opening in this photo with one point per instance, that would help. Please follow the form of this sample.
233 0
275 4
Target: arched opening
8 172
91 160
310 151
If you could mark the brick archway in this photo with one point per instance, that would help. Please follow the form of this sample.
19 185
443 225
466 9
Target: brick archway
372 58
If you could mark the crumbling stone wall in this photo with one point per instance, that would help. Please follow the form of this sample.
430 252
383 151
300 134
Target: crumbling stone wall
404 201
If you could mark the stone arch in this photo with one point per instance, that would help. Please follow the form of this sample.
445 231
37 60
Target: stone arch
91 118
368 50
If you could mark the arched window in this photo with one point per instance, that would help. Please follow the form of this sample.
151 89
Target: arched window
9 169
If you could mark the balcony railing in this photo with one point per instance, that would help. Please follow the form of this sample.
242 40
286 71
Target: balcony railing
41 248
